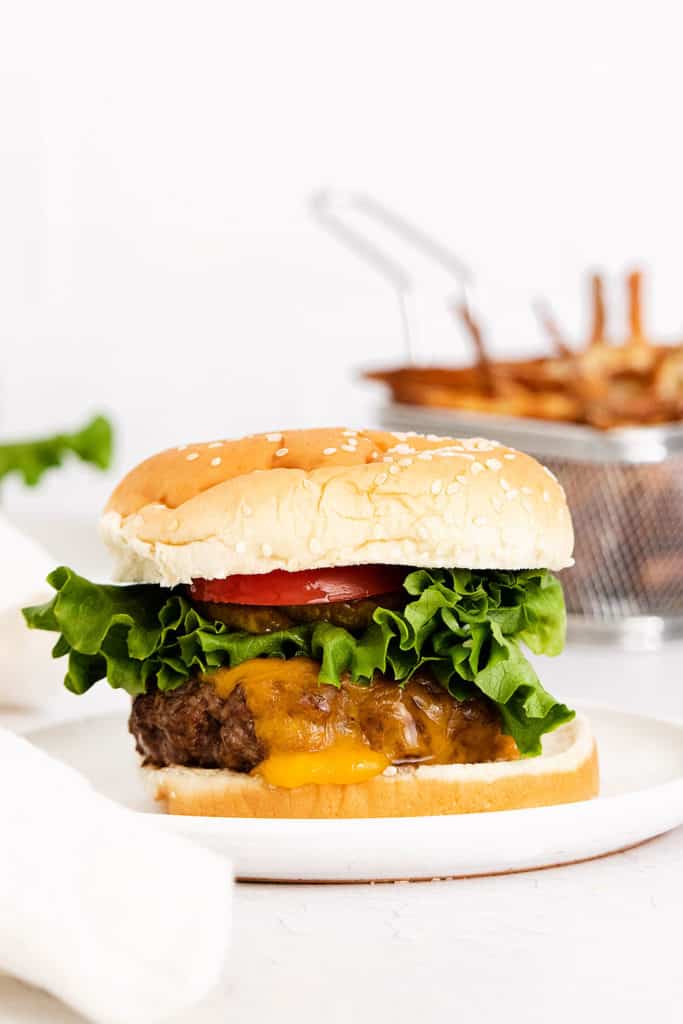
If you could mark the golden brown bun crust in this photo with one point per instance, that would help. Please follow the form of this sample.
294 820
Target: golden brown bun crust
316 498
567 772
175 476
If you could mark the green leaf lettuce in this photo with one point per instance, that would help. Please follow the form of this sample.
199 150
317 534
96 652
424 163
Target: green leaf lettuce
93 443
466 625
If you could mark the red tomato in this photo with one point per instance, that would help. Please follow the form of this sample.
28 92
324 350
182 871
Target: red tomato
312 586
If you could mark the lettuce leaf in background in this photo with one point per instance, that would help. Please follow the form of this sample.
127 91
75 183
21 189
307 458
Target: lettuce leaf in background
93 444
466 625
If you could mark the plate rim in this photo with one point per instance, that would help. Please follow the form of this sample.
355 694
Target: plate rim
211 824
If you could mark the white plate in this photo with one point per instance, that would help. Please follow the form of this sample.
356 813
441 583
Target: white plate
642 796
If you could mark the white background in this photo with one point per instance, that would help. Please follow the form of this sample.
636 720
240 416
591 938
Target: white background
157 256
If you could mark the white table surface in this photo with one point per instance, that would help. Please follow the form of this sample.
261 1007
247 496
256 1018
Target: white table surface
595 940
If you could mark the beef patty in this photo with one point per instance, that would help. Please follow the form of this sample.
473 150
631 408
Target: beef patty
236 718
194 726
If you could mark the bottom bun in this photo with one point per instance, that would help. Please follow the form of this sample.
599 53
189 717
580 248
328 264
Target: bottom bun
565 772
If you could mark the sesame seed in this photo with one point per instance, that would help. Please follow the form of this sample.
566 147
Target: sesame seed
388 458
405 462
217 461
181 447
394 470
433 437
353 441
315 545
308 484
461 479
546 496
527 490
375 455
381 479
347 448
266 550
479 444
329 451
240 547
403 449
476 467
425 456
509 456
510 495
281 451
349 433
273 437
452 489
437 487
215 444
527 505
192 456
479 520
494 464
504 484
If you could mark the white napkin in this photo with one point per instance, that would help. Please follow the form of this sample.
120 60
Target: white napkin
29 675
113 915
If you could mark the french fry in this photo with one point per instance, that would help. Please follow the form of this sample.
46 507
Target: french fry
597 334
635 309
490 384
603 385
549 325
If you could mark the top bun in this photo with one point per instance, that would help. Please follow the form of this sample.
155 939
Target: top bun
307 499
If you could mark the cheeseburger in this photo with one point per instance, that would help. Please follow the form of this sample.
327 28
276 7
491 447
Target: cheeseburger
332 623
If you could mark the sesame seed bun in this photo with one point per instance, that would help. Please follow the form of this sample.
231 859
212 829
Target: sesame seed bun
567 771
309 499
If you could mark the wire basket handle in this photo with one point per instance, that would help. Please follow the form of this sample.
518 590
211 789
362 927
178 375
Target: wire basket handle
330 208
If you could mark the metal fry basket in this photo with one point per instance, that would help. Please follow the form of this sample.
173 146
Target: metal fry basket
625 492
624 487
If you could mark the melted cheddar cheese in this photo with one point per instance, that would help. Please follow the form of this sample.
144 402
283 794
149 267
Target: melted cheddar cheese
343 762
299 671
316 733
266 681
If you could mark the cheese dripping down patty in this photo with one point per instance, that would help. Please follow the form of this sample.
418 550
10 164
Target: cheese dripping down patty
315 733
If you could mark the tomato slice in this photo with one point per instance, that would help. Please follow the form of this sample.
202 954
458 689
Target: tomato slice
312 586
